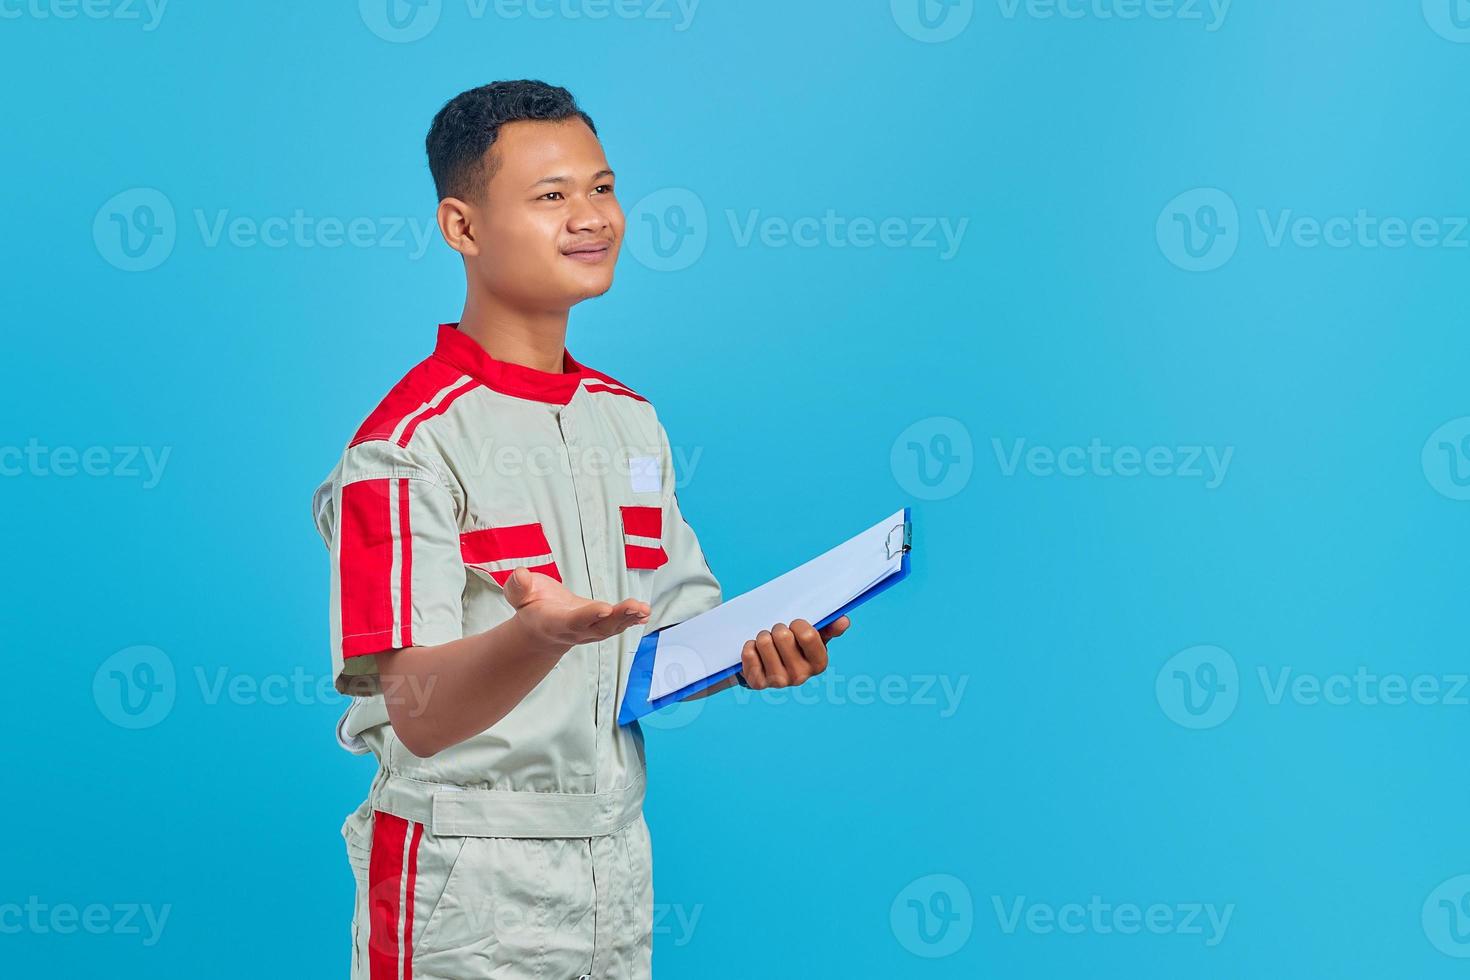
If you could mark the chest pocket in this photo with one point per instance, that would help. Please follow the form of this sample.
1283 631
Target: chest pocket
495 552
643 545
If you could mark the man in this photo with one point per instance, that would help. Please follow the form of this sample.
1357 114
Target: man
503 528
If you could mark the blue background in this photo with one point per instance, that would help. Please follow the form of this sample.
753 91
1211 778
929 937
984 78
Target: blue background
792 836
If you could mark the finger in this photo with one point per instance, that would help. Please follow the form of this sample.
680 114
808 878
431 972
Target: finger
835 628
518 587
812 646
794 663
615 619
765 645
751 666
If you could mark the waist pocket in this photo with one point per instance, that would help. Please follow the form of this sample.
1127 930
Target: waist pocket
643 545
495 552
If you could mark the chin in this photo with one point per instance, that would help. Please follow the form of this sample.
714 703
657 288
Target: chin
591 290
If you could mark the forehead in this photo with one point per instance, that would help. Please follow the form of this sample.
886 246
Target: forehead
528 150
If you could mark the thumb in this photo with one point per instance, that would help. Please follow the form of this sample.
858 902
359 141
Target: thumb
518 587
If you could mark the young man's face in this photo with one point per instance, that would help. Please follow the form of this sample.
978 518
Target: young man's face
548 225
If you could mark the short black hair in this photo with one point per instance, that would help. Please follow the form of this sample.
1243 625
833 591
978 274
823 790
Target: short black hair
466 127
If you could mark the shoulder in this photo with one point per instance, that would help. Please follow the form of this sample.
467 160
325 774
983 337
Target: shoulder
428 391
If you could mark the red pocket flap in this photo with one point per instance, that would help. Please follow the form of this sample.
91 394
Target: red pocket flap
642 537
508 548
501 543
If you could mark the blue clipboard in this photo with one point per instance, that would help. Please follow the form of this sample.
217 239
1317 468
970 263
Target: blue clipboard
636 702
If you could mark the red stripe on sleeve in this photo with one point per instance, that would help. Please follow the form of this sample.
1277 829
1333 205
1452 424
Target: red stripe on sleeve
365 568
405 582
385 867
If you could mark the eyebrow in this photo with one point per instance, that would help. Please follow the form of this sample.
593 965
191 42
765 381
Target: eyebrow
562 179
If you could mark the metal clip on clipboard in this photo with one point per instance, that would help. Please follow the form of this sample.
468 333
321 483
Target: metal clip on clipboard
905 542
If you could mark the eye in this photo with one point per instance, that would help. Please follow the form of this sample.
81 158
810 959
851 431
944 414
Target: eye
605 187
549 194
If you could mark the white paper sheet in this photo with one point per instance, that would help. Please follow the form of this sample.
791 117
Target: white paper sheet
712 641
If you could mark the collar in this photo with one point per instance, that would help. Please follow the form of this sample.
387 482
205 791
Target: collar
464 353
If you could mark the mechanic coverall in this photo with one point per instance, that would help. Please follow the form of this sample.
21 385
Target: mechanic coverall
521 852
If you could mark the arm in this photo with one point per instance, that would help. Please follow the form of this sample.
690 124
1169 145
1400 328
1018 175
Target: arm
391 521
438 696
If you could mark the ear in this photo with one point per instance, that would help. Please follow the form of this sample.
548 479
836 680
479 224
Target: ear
456 224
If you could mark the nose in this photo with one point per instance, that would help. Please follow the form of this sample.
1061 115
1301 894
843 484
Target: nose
587 217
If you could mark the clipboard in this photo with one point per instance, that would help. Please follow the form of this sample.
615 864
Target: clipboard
637 701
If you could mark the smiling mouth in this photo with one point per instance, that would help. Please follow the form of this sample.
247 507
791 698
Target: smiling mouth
588 254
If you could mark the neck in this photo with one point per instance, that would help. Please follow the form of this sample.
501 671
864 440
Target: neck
531 338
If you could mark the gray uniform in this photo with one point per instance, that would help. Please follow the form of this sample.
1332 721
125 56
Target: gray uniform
521 852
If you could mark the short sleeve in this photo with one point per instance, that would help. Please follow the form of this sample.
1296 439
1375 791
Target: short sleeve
389 519
684 586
